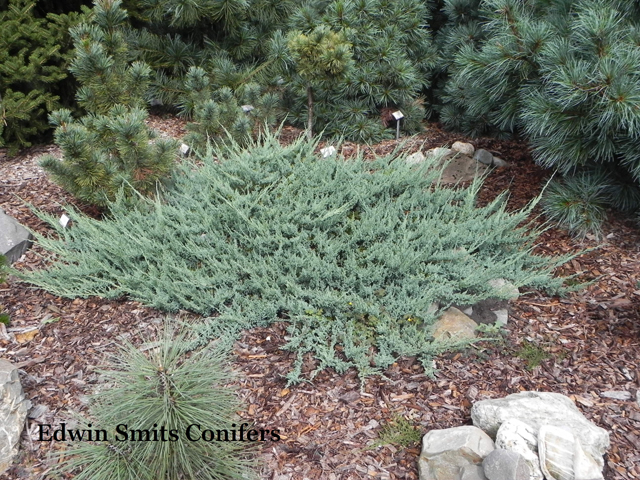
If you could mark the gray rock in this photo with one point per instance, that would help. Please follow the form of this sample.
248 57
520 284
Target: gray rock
473 472
563 458
13 412
504 288
14 238
502 316
453 324
505 465
500 163
483 156
518 437
415 158
464 148
542 408
617 395
445 453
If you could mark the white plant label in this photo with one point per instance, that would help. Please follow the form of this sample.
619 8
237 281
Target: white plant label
328 151
398 115
64 221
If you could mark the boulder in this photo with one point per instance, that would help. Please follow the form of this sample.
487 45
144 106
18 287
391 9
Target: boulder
483 156
446 453
464 148
516 436
505 465
473 472
537 409
13 412
14 238
453 324
563 458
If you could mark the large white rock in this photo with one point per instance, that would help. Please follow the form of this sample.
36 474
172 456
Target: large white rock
13 412
517 436
446 453
563 458
542 408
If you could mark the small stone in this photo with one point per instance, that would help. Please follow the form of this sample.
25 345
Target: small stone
617 395
464 148
505 465
505 288
439 152
483 156
415 158
502 316
453 324
473 472
500 163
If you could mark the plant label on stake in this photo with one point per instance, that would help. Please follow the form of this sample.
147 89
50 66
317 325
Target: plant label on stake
328 151
398 115
64 220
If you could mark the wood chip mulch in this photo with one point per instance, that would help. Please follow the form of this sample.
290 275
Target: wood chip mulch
590 344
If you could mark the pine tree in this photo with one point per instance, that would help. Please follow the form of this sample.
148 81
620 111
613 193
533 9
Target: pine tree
34 53
563 74
111 149
323 59
222 116
180 399
393 56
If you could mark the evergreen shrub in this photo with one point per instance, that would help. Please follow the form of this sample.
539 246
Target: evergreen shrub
393 55
34 55
351 253
220 114
164 387
111 149
565 75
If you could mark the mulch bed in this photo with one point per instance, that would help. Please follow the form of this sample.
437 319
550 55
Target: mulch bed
590 340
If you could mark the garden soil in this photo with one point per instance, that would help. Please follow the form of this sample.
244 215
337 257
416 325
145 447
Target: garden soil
584 344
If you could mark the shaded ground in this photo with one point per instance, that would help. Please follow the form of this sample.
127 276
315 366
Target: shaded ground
584 344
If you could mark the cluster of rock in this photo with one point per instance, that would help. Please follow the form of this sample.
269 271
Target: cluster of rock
461 321
524 436
464 162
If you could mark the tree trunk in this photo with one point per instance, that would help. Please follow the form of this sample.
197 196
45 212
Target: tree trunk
309 113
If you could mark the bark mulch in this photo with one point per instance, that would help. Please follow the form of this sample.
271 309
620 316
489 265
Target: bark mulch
580 346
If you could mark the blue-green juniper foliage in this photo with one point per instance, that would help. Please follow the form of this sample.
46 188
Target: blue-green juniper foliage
351 252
